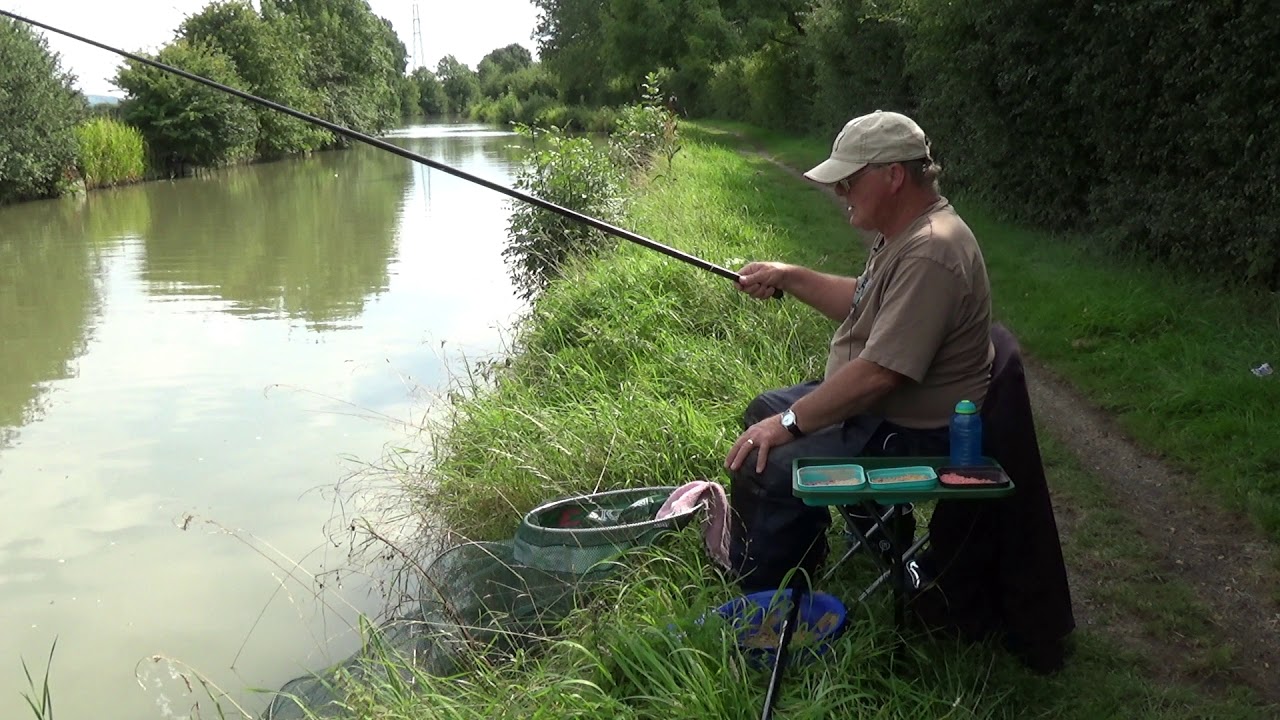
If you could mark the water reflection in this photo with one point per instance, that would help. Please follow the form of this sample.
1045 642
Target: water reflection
48 295
218 347
307 240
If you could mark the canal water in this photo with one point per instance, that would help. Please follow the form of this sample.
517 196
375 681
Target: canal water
187 369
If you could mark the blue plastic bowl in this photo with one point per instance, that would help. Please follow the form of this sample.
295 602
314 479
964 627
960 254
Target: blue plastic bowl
821 620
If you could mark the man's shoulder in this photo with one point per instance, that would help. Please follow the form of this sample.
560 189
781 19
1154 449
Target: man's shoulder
943 235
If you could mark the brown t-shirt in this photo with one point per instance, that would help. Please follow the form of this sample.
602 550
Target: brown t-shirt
923 309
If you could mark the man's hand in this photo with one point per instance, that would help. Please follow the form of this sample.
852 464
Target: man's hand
763 436
761 280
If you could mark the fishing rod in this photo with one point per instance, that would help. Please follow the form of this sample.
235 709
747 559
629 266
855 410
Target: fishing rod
407 154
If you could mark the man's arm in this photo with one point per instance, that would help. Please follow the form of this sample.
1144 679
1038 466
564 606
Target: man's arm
853 388
831 295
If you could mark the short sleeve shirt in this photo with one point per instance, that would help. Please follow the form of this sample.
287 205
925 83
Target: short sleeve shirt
923 309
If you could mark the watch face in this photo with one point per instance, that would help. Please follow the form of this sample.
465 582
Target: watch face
789 418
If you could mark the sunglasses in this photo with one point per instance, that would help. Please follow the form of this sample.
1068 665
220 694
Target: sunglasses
844 186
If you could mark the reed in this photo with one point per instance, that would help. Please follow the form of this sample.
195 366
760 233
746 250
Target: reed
111 152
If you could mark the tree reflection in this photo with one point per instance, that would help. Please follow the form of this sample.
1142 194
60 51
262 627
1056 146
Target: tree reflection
308 239
49 290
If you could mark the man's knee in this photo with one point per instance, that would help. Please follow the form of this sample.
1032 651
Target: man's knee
757 410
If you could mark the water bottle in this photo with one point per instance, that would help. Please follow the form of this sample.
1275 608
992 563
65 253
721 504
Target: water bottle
966 435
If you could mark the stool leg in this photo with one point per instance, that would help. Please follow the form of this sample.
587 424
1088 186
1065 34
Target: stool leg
879 525
898 568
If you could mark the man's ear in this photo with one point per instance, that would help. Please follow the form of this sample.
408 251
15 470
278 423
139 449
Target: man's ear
897 176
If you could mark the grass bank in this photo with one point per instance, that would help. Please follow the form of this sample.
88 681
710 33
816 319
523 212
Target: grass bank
633 371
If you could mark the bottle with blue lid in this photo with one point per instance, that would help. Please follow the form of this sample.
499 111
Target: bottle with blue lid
966 435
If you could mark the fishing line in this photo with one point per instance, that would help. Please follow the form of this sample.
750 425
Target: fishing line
407 154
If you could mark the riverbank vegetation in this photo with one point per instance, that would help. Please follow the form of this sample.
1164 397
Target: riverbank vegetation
111 152
41 108
330 58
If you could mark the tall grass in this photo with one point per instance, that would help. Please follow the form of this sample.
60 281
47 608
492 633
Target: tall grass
40 699
645 646
111 152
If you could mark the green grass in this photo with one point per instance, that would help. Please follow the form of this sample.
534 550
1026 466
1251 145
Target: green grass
111 152
633 371
40 698
641 649
1167 354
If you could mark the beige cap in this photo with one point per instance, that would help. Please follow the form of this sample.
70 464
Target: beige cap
881 137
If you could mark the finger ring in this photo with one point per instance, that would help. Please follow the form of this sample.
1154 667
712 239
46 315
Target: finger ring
750 441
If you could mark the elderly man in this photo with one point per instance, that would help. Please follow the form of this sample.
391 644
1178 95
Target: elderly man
914 339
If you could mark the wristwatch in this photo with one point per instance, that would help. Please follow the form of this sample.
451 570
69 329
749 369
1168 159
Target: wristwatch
789 422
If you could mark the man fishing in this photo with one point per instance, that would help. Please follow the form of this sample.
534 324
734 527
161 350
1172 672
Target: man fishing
914 339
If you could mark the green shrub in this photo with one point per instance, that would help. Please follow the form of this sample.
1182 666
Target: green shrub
111 153
1184 164
995 80
272 63
553 115
497 111
645 130
727 89
186 123
572 172
1136 120
571 117
40 108
840 38
777 79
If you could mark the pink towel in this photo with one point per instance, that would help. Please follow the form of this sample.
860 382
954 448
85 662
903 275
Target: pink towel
711 496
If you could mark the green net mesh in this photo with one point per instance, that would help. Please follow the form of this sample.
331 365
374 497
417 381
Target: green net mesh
488 598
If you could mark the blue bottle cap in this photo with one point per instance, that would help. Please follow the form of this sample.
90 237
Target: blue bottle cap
966 407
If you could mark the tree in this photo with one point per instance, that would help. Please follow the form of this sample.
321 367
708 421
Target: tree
496 69
40 108
356 60
571 46
431 97
186 123
461 86
270 64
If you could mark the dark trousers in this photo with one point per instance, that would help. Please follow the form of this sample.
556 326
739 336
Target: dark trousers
772 531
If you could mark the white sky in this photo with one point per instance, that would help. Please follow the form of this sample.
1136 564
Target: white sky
467 30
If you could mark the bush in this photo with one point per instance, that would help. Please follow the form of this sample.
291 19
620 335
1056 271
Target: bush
270 60
995 79
1042 101
840 37
727 89
111 153
646 130
777 77
571 172
186 123
1183 164
40 108
497 111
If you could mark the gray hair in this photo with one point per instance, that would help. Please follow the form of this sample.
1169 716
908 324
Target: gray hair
924 173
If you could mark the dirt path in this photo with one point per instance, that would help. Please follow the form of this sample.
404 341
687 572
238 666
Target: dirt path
1231 569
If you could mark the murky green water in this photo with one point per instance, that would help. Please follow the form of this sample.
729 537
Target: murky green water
212 353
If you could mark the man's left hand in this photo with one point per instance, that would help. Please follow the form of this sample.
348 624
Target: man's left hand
763 436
